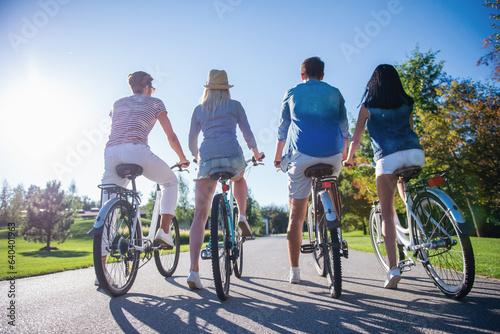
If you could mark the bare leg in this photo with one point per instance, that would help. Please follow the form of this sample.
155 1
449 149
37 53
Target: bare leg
203 194
298 208
165 222
386 190
240 191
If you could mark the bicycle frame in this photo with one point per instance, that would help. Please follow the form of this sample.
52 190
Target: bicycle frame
137 223
412 192
227 195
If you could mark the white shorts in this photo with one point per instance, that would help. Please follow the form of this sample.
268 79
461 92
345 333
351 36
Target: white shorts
299 185
394 161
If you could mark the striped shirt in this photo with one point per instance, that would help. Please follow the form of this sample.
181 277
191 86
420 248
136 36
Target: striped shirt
133 118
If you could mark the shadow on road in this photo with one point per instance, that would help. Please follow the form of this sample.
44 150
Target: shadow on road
276 306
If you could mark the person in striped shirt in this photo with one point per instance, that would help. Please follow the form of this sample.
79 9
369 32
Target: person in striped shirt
133 118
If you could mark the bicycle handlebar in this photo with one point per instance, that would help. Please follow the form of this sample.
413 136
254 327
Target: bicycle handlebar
180 168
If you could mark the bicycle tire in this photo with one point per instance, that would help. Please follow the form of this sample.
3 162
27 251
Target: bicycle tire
220 245
334 271
377 238
318 236
167 259
452 268
117 274
238 241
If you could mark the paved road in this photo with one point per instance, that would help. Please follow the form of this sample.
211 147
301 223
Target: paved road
261 302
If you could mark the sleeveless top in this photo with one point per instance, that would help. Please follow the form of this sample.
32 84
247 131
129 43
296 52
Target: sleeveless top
390 131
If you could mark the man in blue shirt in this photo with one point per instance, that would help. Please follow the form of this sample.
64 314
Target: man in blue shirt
313 129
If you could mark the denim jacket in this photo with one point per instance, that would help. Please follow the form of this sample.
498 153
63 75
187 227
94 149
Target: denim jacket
313 120
390 131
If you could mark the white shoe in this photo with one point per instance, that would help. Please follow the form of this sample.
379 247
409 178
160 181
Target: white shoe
393 278
246 231
194 281
164 239
110 279
294 275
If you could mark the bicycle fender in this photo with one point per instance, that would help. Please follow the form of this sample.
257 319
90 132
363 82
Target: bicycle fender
331 218
454 210
99 221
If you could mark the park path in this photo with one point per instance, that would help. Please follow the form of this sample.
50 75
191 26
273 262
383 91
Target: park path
261 302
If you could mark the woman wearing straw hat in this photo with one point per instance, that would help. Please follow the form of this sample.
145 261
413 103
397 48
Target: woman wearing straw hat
217 116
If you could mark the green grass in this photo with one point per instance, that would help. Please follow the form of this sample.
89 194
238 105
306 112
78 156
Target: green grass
486 251
76 252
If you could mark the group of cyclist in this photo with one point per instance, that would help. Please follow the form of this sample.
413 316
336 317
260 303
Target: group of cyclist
313 129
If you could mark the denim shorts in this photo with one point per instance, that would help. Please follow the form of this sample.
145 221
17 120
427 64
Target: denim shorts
237 164
400 159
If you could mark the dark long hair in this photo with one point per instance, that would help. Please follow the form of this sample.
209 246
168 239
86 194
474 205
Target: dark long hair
384 89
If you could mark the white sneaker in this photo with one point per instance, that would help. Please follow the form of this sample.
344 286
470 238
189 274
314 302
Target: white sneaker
246 231
393 278
164 239
194 281
110 279
294 275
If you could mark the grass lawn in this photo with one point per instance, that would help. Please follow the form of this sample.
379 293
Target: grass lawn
76 252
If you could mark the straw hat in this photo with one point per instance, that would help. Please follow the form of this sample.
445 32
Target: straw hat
217 80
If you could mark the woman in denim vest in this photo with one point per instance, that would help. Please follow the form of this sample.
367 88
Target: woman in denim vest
387 111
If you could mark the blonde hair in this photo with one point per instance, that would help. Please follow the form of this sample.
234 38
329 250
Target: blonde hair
213 99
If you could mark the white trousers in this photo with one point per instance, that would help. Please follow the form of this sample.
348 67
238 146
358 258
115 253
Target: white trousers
153 168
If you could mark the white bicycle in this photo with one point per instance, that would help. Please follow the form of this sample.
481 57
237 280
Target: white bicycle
435 234
119 243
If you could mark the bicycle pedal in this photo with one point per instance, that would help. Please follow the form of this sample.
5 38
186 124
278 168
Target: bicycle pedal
248 238
306 249
206 255
405 265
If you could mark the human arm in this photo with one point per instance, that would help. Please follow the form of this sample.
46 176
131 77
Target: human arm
172 138
285 121
245 129
194 131
279 153
363 115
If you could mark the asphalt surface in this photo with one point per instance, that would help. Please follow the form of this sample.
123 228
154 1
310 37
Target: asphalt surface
262 301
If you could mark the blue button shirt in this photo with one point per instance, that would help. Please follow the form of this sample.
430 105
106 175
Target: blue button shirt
313 120
390 131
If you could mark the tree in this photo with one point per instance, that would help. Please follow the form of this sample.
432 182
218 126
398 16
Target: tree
278 217
253 214
49 217
421 76
5 196
492 43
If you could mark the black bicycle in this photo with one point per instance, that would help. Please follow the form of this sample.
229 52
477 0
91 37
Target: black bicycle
324 227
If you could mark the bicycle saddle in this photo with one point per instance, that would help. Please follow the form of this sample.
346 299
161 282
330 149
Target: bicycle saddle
319 170
407 172
222 173
130 171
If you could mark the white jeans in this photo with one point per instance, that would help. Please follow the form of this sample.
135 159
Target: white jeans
153 168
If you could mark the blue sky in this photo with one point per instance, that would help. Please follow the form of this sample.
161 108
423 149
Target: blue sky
64 62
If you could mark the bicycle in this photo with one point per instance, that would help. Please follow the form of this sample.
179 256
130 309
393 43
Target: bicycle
324 227
435 232
119 243
225 247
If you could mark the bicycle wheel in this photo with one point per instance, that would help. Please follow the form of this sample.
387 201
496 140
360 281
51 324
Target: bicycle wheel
167 258
378 239
334 270
318 236
447 256
220 246
238 241
115 260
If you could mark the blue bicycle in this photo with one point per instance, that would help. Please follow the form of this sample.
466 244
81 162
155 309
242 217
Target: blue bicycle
225 247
